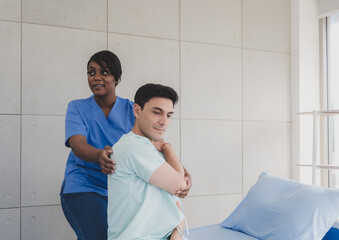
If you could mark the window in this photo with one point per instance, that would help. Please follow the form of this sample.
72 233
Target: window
330 99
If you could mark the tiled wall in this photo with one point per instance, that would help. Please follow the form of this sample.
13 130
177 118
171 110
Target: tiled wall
228 59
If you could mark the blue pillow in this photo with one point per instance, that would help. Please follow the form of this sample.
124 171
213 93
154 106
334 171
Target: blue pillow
281 209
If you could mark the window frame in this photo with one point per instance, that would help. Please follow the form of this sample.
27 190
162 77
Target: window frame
326 123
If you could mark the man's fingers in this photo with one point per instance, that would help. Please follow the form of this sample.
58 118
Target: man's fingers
188 183
181 194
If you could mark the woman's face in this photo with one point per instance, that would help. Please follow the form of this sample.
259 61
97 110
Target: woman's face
100 80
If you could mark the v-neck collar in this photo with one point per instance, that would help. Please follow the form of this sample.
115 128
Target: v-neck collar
100 114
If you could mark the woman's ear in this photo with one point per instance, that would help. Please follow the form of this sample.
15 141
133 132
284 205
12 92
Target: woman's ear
117 81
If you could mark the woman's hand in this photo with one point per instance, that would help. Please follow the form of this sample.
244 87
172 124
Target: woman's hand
182 193
86 152
107 165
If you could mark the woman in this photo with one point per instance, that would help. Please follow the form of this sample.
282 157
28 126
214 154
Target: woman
93 125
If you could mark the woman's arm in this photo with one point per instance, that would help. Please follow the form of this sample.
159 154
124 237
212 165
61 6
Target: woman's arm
170 175
83 150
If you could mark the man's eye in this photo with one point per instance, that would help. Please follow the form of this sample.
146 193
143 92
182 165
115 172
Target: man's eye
157 113
169 116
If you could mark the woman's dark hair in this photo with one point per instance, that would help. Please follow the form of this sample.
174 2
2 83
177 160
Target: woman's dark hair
151 90
111 61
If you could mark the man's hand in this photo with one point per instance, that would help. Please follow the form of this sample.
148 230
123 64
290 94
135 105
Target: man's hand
107 165
158 144
182 193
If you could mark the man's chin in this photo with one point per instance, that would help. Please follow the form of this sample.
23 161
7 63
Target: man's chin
158 137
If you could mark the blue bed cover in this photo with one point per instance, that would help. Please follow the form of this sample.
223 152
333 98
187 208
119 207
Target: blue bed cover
217 232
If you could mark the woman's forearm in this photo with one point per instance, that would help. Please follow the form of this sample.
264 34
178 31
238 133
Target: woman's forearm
83 150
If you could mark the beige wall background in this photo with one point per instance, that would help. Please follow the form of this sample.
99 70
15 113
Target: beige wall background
230 61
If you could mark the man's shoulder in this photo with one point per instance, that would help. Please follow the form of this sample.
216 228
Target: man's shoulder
132 142
131 145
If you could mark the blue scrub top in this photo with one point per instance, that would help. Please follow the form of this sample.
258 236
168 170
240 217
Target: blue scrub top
85 117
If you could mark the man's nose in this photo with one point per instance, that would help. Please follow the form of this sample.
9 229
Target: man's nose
164 120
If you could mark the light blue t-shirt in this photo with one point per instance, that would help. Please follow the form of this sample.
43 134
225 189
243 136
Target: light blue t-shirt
85 117
137 209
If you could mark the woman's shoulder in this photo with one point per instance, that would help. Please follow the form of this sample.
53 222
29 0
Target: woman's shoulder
81 103
125 101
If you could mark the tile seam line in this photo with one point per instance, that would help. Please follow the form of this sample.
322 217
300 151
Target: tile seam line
242 99
107 38
65 27
21 109
154 37
180 82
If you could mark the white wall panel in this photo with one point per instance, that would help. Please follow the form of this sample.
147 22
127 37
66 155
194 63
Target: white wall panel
154 18
54 66
207 210
10 66
217 21
85 14
211 82
212 153
267 25
45 223
143 61
173 135
267 147
267 86
10 10
9 161
228 60
10 224
44 159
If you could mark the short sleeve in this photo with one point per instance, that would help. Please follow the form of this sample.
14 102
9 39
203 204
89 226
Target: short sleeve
74 125
145 159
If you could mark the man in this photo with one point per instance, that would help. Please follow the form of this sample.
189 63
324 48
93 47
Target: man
141 201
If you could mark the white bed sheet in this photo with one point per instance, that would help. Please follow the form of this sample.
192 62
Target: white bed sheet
217 232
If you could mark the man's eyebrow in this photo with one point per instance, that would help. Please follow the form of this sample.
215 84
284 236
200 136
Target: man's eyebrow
157 108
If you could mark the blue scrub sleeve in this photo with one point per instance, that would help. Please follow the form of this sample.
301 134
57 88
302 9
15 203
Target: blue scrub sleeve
74 125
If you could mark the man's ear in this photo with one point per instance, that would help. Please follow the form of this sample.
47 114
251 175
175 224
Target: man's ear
137 110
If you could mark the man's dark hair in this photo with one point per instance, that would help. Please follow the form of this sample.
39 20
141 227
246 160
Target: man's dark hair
111 61
151 90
